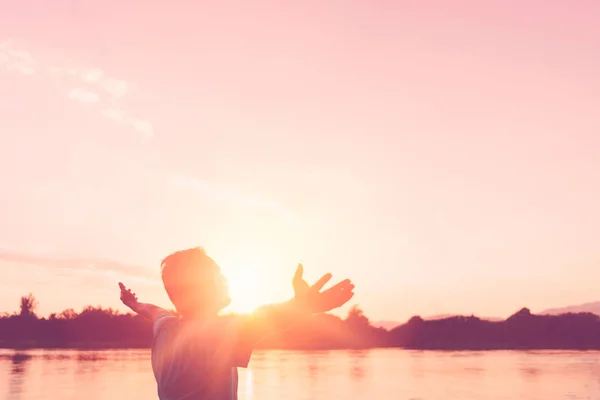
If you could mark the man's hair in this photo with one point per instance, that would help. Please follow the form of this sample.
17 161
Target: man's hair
179 269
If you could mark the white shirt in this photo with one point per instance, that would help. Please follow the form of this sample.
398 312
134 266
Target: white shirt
198 360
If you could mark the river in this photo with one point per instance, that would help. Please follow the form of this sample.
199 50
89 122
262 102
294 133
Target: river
342 375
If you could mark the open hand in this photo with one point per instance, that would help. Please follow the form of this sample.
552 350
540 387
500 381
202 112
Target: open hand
318 301
301 287
128 297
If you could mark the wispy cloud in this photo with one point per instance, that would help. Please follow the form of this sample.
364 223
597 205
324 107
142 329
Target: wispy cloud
84 96
80 266
113 113
117 88
92 75
16 60
96 88
144 127
86 85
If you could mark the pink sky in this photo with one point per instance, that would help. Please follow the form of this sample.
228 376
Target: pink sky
444 155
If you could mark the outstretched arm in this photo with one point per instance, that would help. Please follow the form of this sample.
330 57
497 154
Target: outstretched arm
308 300
148 311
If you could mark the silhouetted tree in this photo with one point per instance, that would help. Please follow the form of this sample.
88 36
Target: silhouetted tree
28 305
67 314
356 318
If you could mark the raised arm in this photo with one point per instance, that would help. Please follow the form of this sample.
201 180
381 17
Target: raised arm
148 311
307 301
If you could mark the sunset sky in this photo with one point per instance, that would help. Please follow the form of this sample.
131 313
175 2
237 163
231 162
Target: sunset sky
445 155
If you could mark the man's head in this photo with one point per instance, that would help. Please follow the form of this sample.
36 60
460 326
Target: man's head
194 282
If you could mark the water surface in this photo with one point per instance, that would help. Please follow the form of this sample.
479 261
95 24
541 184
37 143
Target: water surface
339 375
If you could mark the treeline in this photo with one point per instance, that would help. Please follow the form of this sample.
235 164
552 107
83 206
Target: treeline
92 327
521 331
97 327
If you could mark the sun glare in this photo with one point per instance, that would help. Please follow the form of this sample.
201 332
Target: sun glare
244 292
245 288
253 276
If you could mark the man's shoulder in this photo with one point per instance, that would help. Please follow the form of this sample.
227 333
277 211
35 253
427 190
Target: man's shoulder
219 326
163 320
232 321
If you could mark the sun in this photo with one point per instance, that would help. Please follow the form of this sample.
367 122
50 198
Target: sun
245 288
253 275
244 292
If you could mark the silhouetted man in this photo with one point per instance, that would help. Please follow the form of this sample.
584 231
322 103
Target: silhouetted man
196 355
